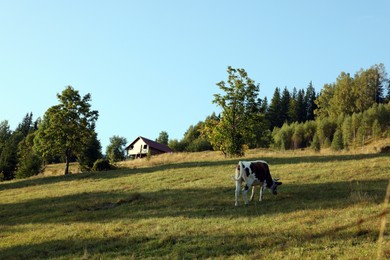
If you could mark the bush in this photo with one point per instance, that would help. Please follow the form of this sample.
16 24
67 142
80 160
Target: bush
102 165
315 145
30 166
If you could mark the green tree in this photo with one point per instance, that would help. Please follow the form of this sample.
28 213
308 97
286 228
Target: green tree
310 128
212 131
163 138
283 137
67 127
30 162
310 99
301 106
8 149
298 136
115 151
325 131
315 144
91 152
285 103
239 100
346 129
324 108
274 115
293 107
343 100
337 142
376 129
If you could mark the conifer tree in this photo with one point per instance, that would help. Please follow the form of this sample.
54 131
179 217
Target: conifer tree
274 114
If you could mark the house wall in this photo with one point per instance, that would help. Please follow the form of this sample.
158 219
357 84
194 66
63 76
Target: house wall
138 148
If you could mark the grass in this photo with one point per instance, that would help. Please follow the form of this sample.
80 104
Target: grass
182 206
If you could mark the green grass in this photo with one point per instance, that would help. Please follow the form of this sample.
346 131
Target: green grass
182 206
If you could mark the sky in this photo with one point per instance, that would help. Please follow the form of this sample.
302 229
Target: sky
152 66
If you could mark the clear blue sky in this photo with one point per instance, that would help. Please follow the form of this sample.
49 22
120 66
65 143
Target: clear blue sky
152 66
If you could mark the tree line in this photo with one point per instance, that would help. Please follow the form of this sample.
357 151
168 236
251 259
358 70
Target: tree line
343 115
350 109
66 133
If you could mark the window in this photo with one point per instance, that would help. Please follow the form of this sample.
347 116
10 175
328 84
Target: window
145 146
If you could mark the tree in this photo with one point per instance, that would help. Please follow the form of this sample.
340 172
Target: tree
274 114
90 153
27 125
194 140
67 127
346 129
298 136
301 106
337 142
293 107
343 100
310 99
315 144
324 108
8 157
239 102
213 132
376 129
163 138
285 103
30 162
115 151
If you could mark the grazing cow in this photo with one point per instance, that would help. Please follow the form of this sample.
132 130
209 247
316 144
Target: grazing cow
254 173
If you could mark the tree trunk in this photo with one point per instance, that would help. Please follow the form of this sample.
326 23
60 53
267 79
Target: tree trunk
67 159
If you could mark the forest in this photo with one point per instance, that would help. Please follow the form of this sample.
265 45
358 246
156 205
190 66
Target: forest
343 115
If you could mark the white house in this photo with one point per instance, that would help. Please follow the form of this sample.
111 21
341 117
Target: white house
142 146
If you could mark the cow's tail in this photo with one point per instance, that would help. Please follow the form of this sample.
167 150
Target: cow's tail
239 167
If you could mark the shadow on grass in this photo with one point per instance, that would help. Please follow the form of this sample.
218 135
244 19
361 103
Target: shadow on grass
183 165
176 246
190 203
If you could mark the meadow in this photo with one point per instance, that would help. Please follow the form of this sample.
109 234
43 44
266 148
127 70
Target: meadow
181 206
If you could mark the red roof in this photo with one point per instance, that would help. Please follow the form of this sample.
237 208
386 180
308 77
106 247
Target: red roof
152 144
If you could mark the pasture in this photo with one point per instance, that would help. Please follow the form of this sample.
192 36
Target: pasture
181 206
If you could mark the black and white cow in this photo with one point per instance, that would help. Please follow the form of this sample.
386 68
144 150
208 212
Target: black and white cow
254 173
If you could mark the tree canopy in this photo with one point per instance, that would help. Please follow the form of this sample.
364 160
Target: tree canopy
240 110
66 128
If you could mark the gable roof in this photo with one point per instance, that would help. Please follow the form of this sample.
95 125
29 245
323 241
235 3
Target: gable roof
152 144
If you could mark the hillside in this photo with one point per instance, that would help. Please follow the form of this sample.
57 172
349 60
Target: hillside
182 206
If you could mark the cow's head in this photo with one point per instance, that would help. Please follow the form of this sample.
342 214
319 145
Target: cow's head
274 187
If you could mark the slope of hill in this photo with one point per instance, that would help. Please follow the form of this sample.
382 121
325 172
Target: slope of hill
182 206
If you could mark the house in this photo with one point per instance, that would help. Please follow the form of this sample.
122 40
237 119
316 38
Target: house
142 146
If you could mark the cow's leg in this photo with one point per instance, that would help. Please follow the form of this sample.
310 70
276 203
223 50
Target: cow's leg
253 193
262 188
245 194
238 186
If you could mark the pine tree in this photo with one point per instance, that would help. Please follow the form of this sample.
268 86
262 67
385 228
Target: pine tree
275 110
285 103
301 106
310 98
293 107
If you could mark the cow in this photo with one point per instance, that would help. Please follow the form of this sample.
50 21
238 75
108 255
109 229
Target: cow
254 173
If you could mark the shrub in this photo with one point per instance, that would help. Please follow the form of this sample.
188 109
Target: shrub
30 166
102 165
315 145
